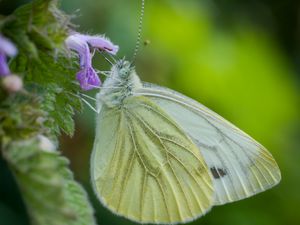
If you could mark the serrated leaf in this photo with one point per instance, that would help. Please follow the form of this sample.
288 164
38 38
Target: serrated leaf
39 30
48 188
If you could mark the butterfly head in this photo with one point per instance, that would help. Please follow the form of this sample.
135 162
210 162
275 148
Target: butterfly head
123 69
120 84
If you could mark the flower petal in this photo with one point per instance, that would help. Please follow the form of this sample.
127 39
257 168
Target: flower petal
88 79
81 43
7 47
100 42
75 43
4 69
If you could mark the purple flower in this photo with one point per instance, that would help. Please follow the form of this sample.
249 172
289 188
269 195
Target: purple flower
99 42
6 49
81 44
88 78
4 69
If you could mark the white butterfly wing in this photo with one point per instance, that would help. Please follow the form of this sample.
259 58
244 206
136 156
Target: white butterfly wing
146 168
241 167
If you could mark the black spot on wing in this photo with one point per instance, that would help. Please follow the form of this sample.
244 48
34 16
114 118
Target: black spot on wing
218 172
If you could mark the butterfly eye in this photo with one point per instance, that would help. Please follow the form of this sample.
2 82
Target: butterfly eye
124 72
124 69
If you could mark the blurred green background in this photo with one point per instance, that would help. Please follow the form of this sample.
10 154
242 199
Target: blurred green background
240 58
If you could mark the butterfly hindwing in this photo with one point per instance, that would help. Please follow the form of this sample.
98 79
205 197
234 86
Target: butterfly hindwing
146 168
240 166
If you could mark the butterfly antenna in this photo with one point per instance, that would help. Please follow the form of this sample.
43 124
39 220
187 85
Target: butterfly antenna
140 27
80 95
106 59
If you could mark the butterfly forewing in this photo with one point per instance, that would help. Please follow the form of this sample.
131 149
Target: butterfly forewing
240 166
146 168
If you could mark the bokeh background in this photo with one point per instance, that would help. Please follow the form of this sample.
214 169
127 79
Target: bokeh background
240 58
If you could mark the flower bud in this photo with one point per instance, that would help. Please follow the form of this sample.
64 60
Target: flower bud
12 83
46 144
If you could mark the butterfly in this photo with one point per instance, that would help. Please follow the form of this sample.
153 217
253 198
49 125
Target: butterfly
161 157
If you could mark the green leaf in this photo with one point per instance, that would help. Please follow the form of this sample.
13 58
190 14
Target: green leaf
45 106
39 30
48 188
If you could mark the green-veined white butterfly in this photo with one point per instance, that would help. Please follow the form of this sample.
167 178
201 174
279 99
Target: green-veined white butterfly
161 157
